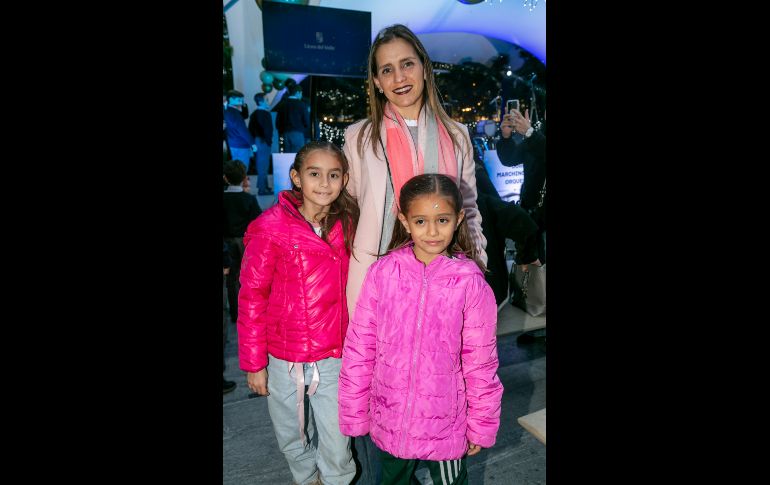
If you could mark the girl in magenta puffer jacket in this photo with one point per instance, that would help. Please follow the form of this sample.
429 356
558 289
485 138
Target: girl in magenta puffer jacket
420 357
292 311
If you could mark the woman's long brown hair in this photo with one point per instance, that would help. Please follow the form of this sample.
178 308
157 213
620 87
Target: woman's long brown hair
443 186
377 100
344 208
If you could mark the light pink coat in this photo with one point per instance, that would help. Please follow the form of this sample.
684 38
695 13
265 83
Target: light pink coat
368 178
419 364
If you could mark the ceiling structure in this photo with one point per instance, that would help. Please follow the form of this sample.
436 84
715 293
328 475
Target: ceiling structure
508 20
451 30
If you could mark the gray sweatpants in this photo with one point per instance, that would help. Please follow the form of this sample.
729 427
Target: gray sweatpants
333 458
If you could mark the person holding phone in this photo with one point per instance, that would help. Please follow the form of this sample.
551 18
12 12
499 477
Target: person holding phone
531 153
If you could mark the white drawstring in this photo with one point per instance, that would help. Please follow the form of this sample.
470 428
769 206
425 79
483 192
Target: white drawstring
299 376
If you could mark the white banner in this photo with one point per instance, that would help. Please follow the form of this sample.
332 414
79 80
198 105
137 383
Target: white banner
507 180
281 167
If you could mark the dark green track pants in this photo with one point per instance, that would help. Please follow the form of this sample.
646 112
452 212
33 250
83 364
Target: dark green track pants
397 471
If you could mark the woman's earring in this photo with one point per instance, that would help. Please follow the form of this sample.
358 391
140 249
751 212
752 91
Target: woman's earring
380 90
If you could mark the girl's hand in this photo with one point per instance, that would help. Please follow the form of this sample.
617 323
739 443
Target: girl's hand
257 382
473 449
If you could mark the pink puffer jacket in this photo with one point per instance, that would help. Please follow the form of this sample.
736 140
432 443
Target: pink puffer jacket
292 301
420 359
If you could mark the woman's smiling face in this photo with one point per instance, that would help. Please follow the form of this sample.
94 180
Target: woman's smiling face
401 76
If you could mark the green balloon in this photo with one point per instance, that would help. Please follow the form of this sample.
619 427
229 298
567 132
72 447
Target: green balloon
266 77
266 88
263 62
278 84
281 75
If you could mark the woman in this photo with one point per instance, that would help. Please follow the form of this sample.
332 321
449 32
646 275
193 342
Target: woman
408 133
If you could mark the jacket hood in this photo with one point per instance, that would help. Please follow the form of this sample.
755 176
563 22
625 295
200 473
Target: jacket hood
406 257
290 202
286 201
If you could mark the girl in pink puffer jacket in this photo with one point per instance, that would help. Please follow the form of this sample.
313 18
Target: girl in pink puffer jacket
292 311
420 357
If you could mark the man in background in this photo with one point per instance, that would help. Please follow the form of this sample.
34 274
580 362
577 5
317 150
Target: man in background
239 139
261 129
293 119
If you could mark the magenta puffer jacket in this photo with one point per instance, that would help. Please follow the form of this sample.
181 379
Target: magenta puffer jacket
292 301
419 367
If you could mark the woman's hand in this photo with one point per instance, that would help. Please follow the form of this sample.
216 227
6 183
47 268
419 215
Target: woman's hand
257 382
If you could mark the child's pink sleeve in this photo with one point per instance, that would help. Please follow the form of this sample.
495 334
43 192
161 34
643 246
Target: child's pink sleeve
257 269
358 362
484 391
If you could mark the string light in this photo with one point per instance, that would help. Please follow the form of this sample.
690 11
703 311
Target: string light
335 95
530 4
331 133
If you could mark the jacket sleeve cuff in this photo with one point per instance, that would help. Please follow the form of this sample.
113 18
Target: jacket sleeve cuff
252 369
358 429
253 365
483 441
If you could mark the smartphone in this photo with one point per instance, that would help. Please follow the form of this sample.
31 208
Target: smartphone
511 104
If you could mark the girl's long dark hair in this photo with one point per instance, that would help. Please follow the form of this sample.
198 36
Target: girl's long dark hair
377 100
344 208
444 186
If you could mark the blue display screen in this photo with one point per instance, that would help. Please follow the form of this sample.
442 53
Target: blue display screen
316 40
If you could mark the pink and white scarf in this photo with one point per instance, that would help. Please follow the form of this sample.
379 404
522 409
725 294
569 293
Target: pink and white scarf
405 160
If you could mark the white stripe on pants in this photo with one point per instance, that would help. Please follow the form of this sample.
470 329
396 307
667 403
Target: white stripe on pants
450 470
